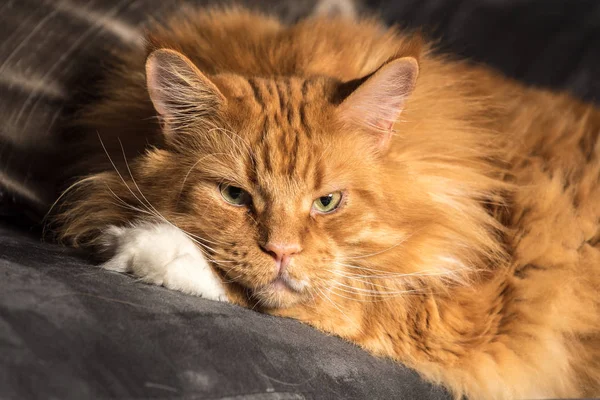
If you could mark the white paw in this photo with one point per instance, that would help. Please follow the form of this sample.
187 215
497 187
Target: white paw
161 254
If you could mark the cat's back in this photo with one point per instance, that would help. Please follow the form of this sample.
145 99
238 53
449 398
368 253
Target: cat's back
240 41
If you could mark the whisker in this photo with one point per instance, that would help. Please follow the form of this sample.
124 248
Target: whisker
381 251
360 300
151 207
119 173
373 292
204 239
190 171
352 278
63 194
126 205
375 295
136 185
340 310
386 274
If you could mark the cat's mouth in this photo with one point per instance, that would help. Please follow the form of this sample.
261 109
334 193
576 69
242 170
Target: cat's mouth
285 282
283 291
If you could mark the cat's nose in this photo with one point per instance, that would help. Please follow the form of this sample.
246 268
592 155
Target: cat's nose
282 252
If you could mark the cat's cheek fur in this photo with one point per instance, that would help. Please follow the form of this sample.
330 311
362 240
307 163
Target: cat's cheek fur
161 254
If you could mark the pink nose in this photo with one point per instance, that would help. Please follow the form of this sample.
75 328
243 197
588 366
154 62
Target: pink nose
282 252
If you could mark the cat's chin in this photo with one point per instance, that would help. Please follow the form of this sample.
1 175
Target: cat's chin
280 293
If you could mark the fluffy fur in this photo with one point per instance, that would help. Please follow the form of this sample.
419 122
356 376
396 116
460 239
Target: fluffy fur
467 242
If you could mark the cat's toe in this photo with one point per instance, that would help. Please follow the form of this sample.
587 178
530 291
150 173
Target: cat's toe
193 275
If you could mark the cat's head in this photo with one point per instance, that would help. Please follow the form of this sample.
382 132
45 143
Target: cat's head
292 186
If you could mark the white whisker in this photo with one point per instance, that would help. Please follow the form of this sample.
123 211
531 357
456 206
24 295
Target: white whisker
191 168
382 251
390 275
371 292
328 298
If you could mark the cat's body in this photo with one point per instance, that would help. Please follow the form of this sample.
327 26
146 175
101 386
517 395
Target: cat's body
465 244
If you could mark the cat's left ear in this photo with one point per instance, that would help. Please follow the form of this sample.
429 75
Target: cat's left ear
179 92
380 98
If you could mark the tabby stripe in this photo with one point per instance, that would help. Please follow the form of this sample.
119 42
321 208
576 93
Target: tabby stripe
291 116
293 156
266 156
257 92
292 109
318 174
281 93
305 89
274 93
303 104
272 88
251 172
304 120
587 145
265 130
283 140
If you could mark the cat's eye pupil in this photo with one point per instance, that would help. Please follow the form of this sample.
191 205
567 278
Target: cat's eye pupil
325 200
327 204
234 192
234 195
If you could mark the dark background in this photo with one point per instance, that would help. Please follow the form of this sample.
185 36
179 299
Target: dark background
548 43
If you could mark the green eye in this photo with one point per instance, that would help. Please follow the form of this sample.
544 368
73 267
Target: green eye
234 195
327 204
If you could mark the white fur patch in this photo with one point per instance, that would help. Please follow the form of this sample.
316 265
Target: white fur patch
161 254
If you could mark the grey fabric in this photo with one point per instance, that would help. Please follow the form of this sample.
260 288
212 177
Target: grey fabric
71 331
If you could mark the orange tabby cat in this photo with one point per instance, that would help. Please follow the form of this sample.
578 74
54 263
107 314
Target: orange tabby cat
340 173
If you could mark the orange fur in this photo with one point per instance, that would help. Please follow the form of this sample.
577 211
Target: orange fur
468 249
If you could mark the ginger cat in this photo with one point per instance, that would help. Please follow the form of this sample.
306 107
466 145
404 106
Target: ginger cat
342 174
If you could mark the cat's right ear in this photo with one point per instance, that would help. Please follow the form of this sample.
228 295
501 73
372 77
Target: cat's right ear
180 93
380 98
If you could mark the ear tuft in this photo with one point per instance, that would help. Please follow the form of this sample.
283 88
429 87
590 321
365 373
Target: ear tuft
179 92
378 102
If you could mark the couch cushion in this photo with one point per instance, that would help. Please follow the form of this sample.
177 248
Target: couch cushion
71 330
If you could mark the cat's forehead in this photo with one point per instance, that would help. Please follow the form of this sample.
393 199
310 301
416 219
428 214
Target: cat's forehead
285 122
281 104
285 100
277 90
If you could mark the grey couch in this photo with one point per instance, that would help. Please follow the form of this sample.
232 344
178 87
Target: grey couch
71 331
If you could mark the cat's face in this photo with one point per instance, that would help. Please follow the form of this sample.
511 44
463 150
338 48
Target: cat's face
279 194
290 186
270 177
287 201
295 189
